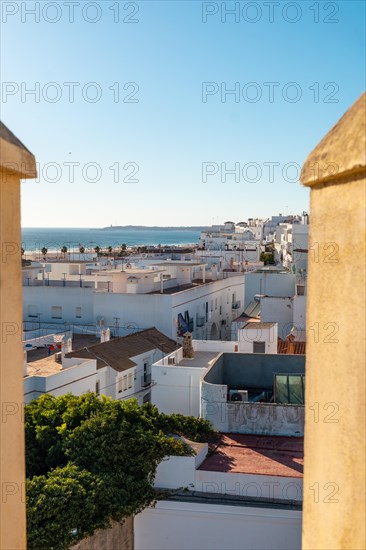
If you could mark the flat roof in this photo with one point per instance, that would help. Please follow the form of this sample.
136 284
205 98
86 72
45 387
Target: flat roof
129 271
201 359
180 288
189 264
257 454
42 364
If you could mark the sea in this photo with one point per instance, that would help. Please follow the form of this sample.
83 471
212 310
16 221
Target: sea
34 239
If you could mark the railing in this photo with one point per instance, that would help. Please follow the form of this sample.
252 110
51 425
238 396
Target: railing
145 380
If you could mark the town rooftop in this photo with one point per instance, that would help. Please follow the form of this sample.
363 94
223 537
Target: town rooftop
257 454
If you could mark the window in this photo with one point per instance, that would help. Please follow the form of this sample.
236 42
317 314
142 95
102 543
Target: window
78 312
215 303
259 347
289 388
97 387
211 305
125 383
119 385
32 311
56 312
220 310
130 380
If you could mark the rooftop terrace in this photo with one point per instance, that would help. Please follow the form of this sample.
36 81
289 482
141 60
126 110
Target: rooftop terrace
40 363
257 454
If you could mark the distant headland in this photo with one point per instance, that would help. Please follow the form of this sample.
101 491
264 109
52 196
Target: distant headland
154 227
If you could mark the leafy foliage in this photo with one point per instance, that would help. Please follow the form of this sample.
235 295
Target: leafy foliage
91 459
54 502
267 257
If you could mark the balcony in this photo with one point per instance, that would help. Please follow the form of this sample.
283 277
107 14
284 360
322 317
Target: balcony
146 380
235 305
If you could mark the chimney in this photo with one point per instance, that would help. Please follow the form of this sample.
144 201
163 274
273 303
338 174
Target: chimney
188 351
105 335
290 344
66 347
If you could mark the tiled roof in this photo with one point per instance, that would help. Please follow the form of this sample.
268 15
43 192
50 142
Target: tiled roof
255 325
257 454
299 348
117 352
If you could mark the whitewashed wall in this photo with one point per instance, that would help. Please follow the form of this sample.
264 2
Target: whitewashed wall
141 310
249 418
246 336
177 472
176 389
77 380
278 310
183 525
299 316
272 284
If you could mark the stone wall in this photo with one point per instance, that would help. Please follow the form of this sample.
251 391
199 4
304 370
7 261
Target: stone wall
118 537
334 470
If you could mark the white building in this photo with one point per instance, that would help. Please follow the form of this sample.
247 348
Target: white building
119 368
240 496
268 282
258 394
173 296
292 243
288 312
244 236
180 383
218 523
254 337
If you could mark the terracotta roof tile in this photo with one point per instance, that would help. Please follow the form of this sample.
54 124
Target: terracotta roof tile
257 454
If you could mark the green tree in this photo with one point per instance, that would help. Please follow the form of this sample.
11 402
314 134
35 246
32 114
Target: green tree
110 249
81 249
44 252
267 258
64 250
91 459
97 249
70 497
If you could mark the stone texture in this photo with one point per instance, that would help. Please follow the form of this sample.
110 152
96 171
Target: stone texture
14 156
334 472
118 537
342 152
12 473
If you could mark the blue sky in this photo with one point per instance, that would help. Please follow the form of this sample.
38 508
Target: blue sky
163 127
